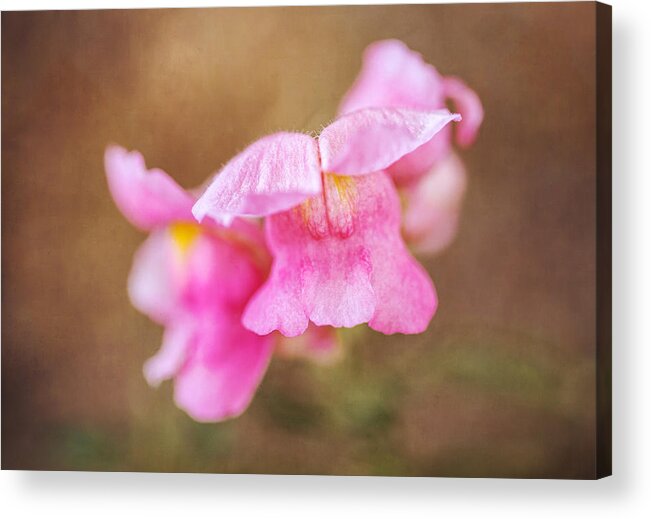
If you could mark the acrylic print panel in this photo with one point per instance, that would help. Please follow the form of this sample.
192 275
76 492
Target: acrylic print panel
327 240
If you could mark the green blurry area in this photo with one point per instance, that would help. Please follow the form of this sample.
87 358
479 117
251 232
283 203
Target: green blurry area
479 403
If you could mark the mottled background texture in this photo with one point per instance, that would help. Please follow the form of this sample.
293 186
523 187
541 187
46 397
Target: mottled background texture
502 383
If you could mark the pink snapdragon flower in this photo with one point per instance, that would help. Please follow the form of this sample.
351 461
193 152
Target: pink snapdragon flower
395 76
432 178
195 280
333 223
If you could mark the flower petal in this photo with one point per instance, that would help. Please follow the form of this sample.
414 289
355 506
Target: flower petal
148 199
226 361
432 206
406 299
372 139
277 305
152 286
172 354
220 378
467 102
326 282
273 174
407 294
330 266
220 275
316 275
393 75
411 168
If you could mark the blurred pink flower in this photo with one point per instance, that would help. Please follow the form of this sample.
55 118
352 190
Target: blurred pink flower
433 182
433 205
333 223
195 280
395 76
319 344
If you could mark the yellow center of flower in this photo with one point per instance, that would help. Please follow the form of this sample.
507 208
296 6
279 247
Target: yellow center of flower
184 235
332 212
344 185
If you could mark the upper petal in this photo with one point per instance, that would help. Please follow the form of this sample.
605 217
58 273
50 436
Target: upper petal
372 139
147 198
411 168
393 75
273 174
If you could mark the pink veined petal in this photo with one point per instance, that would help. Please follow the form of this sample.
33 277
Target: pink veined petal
467 102
372 139
221 376
393 75
334 256
407 294
326 282
168 361
147 198
274 173
316 275
277 305
406 298
433 205
152 286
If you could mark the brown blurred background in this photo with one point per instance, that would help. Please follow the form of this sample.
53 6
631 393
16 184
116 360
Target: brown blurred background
502 384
